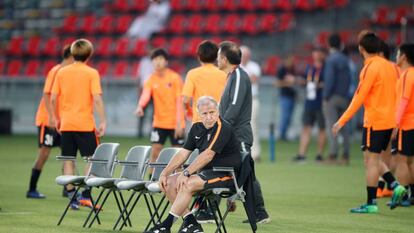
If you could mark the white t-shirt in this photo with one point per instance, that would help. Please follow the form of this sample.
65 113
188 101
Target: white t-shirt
252 68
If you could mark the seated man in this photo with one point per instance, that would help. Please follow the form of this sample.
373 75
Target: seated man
218 147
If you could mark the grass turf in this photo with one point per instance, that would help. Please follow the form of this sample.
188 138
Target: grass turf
299 198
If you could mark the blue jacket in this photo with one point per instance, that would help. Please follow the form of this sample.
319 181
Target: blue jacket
337 76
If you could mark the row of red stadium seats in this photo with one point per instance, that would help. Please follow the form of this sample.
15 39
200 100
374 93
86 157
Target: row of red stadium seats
384 15
232 5
231 23
92 24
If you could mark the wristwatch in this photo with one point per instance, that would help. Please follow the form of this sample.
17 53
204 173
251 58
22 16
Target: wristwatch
186 173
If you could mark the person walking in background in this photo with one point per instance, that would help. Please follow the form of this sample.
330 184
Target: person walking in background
206 79
164 87
254 72
79 90
145 69
48 137
236 108
312 113
286 81
377 92
337 80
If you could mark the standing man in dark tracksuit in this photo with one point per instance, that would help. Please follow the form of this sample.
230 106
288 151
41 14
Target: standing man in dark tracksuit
337 75
236 108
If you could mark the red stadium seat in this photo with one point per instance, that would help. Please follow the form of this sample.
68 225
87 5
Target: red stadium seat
139 5
140 48
159 42
247 5
68 40
177 5
212 5
120 70
32 68
122 23
271 64
321 4
103 68
13 68
15 46
399 13
176 24
212 24
268 23
2 65
105 24
51 46
88 24
194 24
384 35
303 5
33 46
103 47
194 5
122 47
285 22
346 36
265 5
121 5
340 3
69 24
381 15
134 70
229 5
322 39
176 47
283 5
47 66
232 23
191 49
249 24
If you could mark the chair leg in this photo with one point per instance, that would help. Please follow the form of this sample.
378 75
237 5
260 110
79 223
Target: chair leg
124 211
156 208
220 218
123 204
67 207
119 207
130 210
99 210
94 205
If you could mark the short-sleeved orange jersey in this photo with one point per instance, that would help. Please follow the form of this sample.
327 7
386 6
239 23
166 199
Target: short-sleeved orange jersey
204 80
42 116
405 88
377 92
165 91
76 84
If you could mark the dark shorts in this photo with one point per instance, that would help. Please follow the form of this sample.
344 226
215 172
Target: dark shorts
159 135
311 116
404 143
375 141
85 142
216 179
47 137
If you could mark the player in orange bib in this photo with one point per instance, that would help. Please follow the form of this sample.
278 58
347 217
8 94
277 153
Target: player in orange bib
404 133
207 79
79 90
164 86
376 91
47 135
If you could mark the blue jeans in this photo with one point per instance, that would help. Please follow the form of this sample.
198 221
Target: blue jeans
287 104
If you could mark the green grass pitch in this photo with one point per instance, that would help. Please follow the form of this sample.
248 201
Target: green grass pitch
299 198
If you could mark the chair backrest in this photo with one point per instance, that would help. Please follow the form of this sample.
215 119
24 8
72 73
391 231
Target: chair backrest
106 154
165 156
137 154
192 157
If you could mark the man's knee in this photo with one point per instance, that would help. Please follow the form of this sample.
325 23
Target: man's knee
194 185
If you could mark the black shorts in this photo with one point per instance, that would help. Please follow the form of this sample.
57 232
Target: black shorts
47 137
404 143
216 179
375 141
311 116
85 142
159 135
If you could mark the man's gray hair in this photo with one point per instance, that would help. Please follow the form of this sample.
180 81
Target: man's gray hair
205 100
